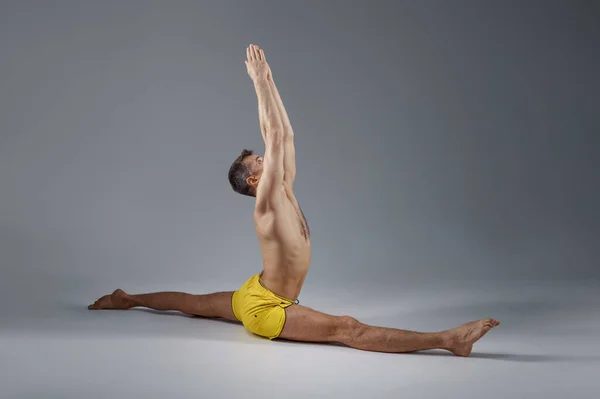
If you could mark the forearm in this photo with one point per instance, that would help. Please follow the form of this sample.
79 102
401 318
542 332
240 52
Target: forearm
268 111
289 158
285 120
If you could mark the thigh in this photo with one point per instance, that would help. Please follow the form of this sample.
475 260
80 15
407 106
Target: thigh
217 304
309 325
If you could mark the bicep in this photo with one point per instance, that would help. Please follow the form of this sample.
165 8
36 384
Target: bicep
289 160
271 180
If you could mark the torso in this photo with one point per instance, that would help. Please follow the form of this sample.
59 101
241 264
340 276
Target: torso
284 239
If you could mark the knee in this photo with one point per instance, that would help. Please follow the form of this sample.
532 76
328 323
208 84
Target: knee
349 329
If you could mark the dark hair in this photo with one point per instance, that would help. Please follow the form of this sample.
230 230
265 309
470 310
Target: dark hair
238 175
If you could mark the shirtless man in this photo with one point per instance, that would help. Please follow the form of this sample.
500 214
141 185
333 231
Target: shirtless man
267 304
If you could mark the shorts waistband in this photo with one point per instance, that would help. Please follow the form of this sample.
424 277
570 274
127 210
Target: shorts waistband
295 302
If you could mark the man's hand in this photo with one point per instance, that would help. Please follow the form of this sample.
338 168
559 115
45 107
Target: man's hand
256 63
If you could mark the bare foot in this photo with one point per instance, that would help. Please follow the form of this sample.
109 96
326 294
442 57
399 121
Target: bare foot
119 299
462 338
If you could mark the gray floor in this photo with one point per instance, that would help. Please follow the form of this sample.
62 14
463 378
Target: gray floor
546 347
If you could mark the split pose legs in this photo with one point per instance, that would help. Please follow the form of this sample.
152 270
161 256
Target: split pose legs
305 324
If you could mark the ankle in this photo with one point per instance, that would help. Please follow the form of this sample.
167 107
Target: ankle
445 340
134 301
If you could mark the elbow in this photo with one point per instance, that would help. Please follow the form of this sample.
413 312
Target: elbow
274 124
274 135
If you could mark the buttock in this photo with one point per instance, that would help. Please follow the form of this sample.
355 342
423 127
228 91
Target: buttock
261 311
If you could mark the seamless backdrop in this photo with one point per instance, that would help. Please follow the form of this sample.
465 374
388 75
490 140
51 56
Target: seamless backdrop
436 141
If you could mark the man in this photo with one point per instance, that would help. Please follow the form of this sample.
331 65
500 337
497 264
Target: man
267 304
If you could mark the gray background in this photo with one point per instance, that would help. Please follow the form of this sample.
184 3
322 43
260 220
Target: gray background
439 144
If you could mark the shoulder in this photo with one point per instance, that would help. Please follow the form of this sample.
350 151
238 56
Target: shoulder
270 201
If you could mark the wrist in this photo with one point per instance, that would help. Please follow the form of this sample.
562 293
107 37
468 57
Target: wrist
260 80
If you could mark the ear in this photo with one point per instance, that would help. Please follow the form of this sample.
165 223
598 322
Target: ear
252 180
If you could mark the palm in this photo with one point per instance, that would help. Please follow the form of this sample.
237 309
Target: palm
256 63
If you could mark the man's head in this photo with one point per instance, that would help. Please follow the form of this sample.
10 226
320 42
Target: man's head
245 173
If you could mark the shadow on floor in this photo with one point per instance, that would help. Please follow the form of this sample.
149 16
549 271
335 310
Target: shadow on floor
179 314
77 321
511 357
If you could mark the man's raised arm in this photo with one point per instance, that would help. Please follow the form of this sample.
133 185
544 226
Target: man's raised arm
271 127
289 159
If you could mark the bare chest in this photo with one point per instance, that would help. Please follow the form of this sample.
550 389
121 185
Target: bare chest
286 225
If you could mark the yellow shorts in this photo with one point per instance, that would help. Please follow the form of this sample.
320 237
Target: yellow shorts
261 311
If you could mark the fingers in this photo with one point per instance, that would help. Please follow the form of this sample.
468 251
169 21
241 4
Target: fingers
254 53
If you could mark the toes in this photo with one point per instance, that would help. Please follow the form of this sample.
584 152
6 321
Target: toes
487 325
493 322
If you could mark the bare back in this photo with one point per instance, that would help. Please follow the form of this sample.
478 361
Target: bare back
285 245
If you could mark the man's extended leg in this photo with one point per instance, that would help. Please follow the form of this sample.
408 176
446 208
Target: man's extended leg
209 305
305 324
